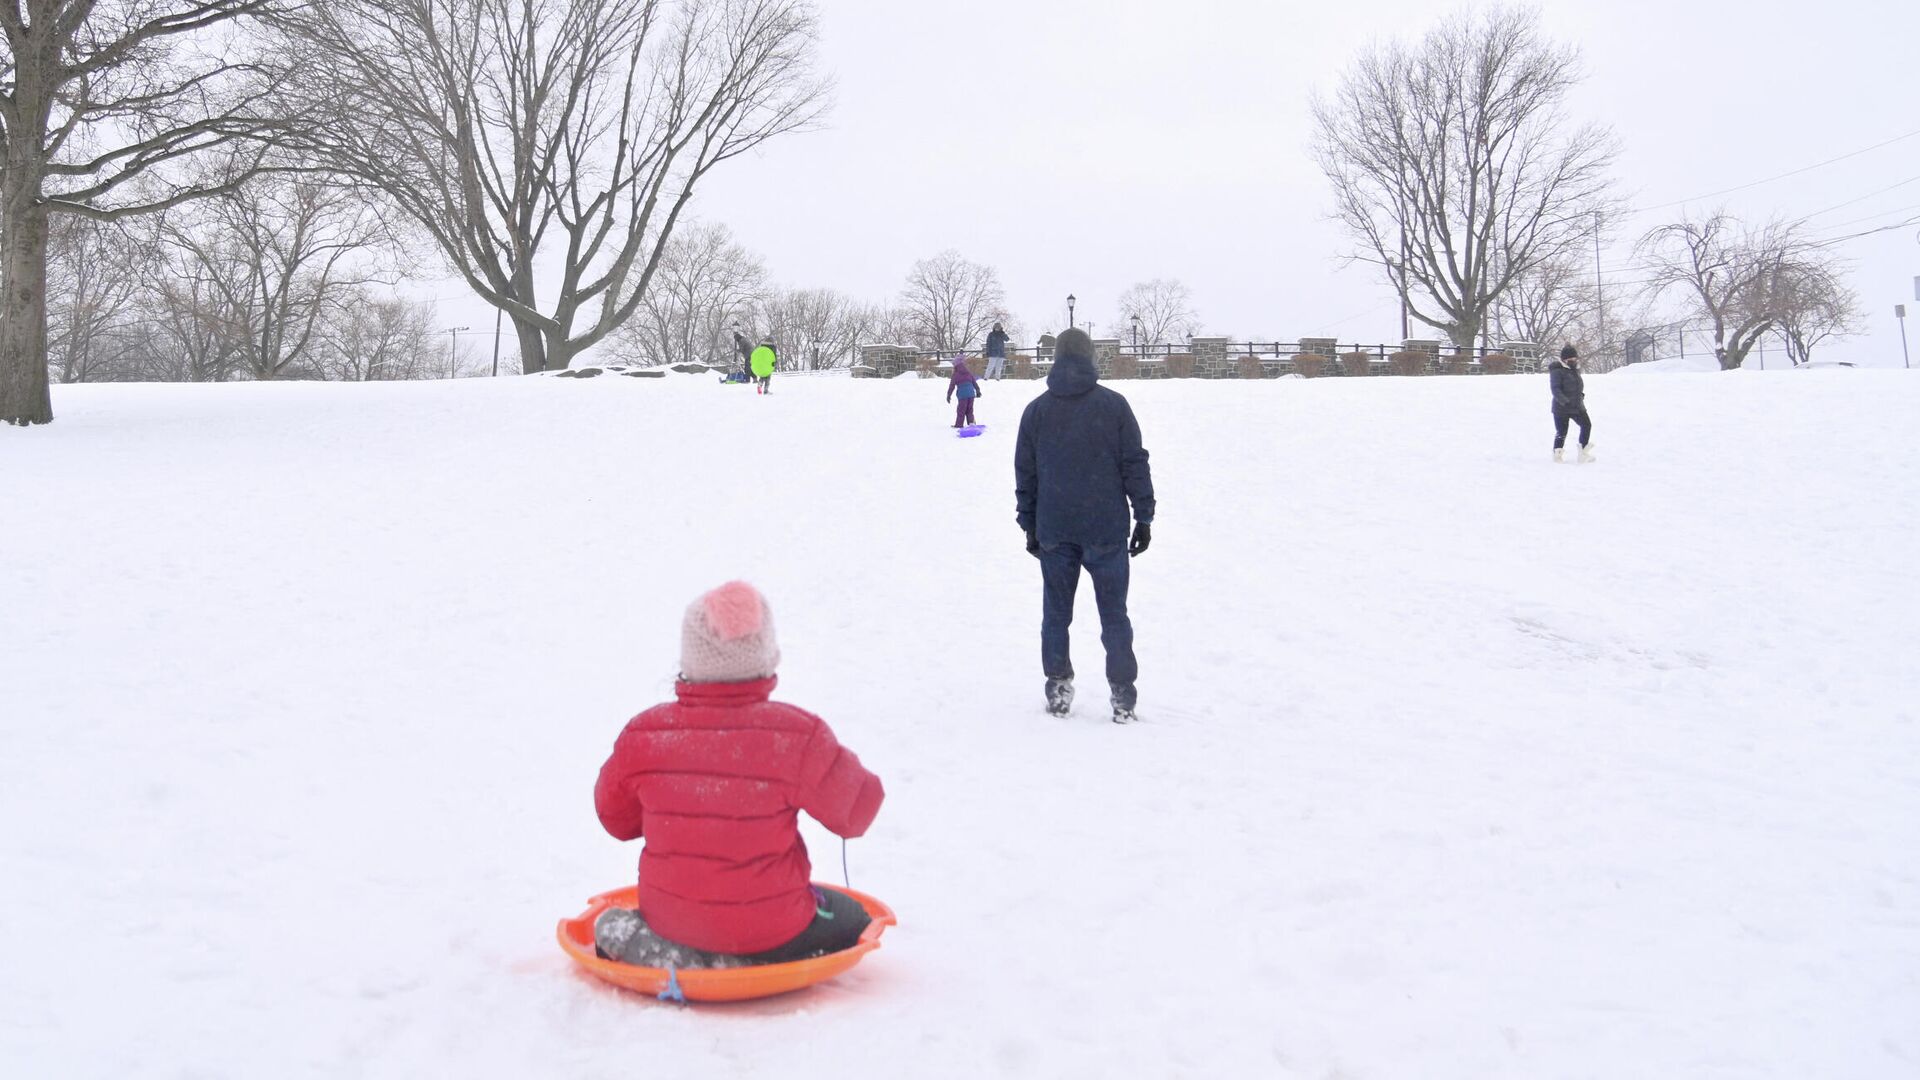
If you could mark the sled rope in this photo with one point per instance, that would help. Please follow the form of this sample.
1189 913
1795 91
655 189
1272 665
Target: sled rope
844 876
673 992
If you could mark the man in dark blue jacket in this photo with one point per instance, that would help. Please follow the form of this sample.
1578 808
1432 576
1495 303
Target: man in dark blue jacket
1077 463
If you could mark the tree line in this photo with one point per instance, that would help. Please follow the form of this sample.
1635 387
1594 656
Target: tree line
235 189
1461 176
546 151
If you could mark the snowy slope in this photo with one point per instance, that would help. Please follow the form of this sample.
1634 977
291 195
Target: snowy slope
1456 763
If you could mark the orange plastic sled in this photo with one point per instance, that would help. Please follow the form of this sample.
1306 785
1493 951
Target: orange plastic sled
715 984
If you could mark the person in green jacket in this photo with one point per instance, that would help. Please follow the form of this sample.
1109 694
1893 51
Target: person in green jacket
763 361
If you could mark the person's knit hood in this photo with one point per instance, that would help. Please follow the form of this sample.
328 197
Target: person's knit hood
1073 373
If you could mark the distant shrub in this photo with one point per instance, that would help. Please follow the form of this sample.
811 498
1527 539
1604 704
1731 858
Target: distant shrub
1126 366
1180 366
1251 368
1357 363
1410 362
1497 364
1310 365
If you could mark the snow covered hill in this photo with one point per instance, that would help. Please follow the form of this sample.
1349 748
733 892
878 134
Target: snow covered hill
1456 763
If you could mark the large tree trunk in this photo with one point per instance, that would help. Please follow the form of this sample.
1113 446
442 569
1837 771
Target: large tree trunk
24 398
533 347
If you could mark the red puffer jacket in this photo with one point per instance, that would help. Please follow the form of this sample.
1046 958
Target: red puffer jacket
716 781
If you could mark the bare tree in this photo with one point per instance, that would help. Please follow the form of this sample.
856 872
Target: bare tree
1165 309
111 108
1548 305
278 252
200 339
96 272
814 329
1815 304
1456 168
1732 276
705 283
950 303
877 324
370 338
554 142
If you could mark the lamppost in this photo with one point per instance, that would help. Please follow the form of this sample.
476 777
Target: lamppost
453 347
1069 311
496 342
1900 312
1136 335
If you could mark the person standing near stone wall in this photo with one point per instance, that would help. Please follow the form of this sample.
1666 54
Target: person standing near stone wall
997 352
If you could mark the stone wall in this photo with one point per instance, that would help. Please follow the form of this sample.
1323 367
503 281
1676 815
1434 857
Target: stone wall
886 361
1221 358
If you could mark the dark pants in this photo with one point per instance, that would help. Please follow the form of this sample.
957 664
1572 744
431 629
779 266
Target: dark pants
1060 566
963 415
838 920
766 384
1560 420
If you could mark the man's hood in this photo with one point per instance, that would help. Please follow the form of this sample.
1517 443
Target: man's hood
1072 376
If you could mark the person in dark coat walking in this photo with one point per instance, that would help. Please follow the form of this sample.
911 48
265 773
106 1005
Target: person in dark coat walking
1077 462
745 349
1569 403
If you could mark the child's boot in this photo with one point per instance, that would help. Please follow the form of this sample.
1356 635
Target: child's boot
614 931
1559 456
1586 455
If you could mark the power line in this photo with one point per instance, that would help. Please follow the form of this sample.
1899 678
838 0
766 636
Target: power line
1864 198
1872 217
1907 224
1817 241
1781 176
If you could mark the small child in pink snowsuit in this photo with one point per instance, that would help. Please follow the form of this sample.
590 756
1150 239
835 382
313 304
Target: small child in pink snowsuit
967 386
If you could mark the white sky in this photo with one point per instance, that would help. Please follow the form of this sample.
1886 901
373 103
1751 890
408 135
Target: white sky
1083 145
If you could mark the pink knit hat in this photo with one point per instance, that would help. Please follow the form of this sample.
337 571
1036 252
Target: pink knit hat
727 636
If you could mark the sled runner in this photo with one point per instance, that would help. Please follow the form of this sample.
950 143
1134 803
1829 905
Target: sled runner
714 984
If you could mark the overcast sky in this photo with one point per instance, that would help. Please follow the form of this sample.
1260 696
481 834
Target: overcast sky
1083 145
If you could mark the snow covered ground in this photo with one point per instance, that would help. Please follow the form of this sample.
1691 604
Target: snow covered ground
1455 764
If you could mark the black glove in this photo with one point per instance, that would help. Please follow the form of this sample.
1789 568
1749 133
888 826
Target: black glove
1142 537
1033 544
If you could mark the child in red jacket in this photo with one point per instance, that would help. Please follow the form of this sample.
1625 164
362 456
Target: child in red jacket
715 780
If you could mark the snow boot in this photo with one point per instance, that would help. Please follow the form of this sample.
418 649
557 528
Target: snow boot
1559 456
1123 702
614 931
1059 697
1586 455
